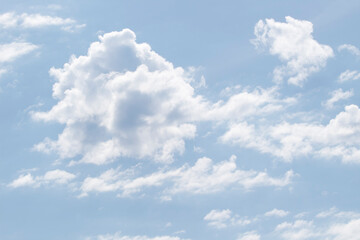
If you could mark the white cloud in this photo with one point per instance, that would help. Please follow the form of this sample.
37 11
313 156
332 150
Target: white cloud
249 236
121 99
345 231
218 218
294 44
276 213
349 76
11 51
338 95
246 103
352 49
25 20
204 177
22 181
51 177
339 138
335 213
334 225
224 218
119 236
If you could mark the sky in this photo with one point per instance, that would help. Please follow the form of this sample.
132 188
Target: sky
179 120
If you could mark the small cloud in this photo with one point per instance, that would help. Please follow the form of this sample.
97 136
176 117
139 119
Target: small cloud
276 213
351 48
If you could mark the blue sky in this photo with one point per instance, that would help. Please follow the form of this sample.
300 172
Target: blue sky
173 120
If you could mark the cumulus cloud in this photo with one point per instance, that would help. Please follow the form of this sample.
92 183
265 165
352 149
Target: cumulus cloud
119 236
121 99
339 138
276 213
204 177
351 48
349 75
12 20
294 44
338 95
51 177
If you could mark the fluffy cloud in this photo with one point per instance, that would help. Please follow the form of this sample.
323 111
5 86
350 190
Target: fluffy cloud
224 218
294 44
352 49
119 236
336 96
349 76
276 213
51 177
339 138
218 218
121 99
13 20
246 103
204 177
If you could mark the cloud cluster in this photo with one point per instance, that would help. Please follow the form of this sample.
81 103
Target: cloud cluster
294 44
339 138
349 75
224 218
204 177
124 100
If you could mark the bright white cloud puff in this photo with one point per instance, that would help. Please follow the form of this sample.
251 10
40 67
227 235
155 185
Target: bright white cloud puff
294 44
121 99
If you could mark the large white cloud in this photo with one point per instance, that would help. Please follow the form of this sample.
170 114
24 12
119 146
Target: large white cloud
340 138
294 44
121 99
